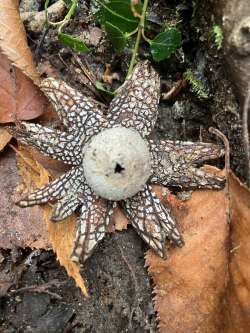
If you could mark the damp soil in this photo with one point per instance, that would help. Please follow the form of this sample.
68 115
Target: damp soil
119 287
121 292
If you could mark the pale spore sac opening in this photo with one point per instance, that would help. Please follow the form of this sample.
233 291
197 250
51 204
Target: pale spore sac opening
117 163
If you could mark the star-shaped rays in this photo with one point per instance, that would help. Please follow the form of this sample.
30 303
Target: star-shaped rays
135 106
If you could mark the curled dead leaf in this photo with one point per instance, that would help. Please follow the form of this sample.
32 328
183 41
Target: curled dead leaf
20 99
13 41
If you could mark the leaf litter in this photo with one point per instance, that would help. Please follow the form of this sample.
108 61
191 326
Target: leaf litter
204 287
20 98
18 227
195 277
13 41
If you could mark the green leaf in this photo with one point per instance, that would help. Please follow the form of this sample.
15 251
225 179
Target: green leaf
100 87
116 12
165 43
116 36
67 2
74 42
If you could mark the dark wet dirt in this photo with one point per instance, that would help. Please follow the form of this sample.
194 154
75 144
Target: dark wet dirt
119 285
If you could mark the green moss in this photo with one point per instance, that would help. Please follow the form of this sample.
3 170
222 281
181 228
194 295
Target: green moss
218 36
197 85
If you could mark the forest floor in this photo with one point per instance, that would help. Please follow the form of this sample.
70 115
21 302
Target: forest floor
43 298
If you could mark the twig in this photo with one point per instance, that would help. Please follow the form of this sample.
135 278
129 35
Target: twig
174 91
136 287
66 19
39 45
33 254
34 21
138 38
39 289
218 133
129 266
246 134
89 75
227 162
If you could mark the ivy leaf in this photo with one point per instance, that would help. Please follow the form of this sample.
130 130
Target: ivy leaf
100 87
116 12
74 42
165 44
117 37
67 2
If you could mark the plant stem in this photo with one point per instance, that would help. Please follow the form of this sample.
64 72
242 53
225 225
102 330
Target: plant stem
68 15
66 19
138 38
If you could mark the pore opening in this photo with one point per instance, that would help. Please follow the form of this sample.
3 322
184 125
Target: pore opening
118 168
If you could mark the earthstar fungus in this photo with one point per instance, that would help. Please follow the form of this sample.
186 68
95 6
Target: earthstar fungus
114 162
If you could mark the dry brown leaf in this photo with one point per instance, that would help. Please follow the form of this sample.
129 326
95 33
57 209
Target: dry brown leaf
119 220
190 284
20 99
13 41
205 286
61 235
108 76
5 137
95 35
237 300
45 68
19 227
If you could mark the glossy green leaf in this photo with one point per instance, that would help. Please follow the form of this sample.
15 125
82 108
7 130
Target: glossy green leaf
116 36
74 42
165 44
116 12
100 87
67 2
